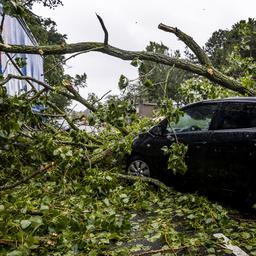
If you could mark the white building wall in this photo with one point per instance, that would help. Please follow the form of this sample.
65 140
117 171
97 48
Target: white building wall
14 33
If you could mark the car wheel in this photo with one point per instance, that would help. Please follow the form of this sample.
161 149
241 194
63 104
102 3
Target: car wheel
138 167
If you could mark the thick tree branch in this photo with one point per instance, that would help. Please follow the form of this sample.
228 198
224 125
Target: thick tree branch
210 73
189 41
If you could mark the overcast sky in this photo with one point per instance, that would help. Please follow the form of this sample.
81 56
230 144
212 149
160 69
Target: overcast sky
132 24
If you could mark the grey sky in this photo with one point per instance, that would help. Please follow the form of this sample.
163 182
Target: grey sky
132 24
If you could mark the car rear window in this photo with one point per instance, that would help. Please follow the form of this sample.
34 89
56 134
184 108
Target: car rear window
237 115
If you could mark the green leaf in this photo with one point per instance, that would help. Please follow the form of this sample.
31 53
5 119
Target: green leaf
44 207
135 62
109 178
191 216
36 219
148 83
123 82
106 202
122 195
14 253
2 208
245 235
25 223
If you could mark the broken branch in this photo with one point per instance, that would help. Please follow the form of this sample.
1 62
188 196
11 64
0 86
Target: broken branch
189 41
104 29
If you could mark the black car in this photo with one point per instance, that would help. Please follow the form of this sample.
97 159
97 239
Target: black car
221 139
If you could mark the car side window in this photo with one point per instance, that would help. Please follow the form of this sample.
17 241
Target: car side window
237 115
194 118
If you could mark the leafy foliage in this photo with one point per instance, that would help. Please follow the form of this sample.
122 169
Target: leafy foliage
103 215
197 89
176 152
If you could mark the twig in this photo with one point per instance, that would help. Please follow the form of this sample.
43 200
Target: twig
38 94
45 85
104 29
41 170
104 95
26 135
7 242
145 179
72 125
2 24
72 56
64 115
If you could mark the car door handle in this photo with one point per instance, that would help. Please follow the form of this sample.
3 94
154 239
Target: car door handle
200 142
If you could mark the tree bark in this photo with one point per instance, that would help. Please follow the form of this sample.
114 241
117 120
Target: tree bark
211 73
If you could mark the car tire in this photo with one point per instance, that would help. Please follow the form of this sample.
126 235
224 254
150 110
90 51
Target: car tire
138 166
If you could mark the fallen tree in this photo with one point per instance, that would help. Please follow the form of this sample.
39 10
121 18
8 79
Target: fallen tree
63 191
102 114
204 69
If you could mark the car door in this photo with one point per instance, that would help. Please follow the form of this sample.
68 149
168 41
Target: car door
194 130
233 148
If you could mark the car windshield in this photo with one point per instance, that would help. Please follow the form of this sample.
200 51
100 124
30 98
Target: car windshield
195 118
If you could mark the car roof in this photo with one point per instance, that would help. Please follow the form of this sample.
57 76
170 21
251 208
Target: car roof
230 99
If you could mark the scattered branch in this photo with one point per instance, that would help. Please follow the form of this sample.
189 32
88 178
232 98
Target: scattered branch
64 115
43 84
71 123
77 144
145 179
7 242
74 95
41 170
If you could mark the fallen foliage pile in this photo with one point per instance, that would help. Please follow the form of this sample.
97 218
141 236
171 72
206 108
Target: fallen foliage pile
103 214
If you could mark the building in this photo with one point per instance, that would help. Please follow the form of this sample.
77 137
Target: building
146 108
15 31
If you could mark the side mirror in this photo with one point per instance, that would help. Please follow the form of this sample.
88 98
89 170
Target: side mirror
156 130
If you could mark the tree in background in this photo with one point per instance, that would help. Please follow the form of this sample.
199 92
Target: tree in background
29 3
45 32
231 51
234 51
156 81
